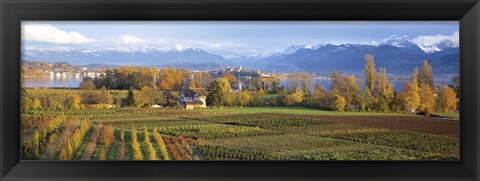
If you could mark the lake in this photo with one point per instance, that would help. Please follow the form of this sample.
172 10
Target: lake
52 81
74 82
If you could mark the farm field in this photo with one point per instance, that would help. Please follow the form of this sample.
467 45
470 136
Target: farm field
249 133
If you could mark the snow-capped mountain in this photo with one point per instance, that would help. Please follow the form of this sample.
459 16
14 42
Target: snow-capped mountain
437 43
398 41
116 56
396 53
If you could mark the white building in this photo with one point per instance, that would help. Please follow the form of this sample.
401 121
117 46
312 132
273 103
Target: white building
192 98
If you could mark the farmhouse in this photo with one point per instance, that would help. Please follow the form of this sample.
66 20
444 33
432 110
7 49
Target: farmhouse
192 98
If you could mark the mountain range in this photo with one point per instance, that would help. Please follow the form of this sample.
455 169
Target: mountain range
398 55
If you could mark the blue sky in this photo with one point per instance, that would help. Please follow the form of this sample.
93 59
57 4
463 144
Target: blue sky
229 39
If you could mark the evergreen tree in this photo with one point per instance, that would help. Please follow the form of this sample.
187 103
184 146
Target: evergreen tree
215 95
169 97
130 101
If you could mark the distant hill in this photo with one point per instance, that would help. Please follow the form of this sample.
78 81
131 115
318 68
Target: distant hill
350 58
196 66
148 56
397 55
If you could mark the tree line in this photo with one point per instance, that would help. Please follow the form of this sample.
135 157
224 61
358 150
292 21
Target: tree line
420 95
149 86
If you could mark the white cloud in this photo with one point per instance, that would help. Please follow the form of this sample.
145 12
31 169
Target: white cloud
432 43
130 39
51 34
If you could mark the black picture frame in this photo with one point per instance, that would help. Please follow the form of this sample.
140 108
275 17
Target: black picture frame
14 11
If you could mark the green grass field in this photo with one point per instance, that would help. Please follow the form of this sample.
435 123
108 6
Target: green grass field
449 114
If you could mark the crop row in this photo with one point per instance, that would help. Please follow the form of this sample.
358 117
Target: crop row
267 121
152 123
216 131
380 153
398 139
128 112
283 143
72 144
220 152
38 132
106 143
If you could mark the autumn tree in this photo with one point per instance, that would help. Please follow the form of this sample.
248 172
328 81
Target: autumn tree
339 103
274 84
292 99
74 102
145 77
293 81
146 97
410 97
25 101
318 97
306 84
384 90
101 96
171 79
202 78
125 77
447 100
427 99
336 82
368 101
258 98
238 98
370 72
425 76
231 78
382 81
243 98
351 92
87 84
230 98
224 85
194 84
105 96
336 87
